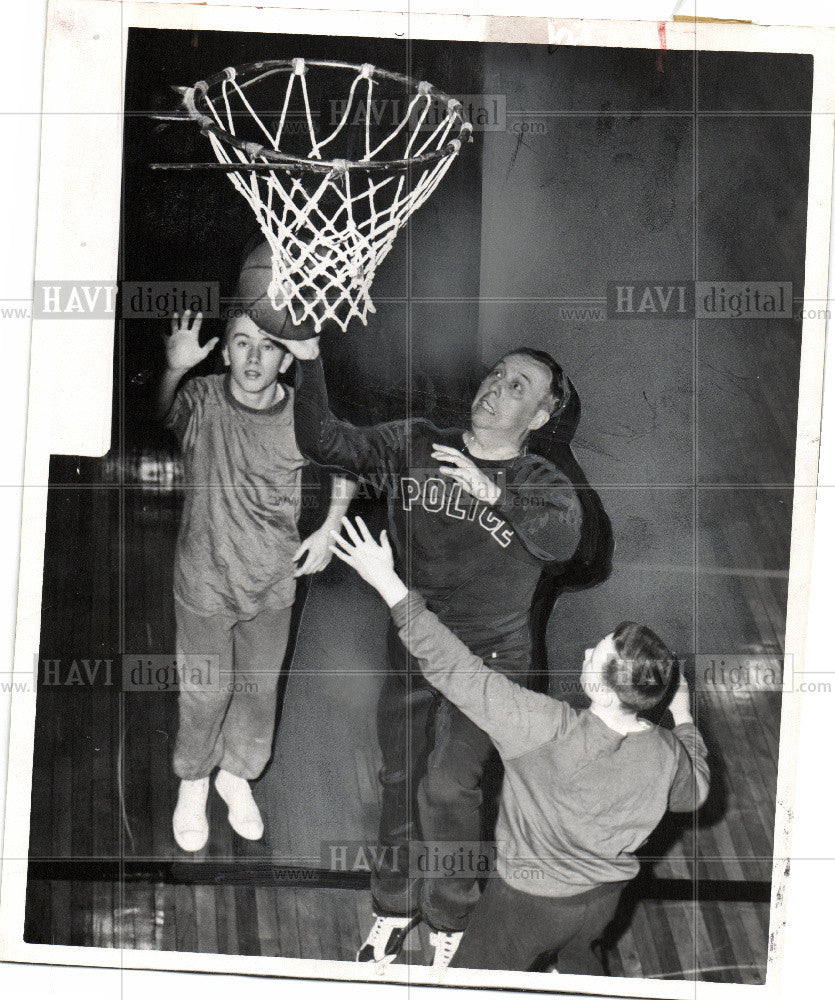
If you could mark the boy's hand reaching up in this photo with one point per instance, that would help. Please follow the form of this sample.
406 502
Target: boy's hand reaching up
182 352
374 562
182 345
680 702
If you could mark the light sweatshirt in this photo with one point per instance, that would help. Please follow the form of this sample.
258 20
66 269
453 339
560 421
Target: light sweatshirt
578 798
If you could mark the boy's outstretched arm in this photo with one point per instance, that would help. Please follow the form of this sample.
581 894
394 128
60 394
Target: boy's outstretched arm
377 451
317 545
182 353
692 778
516 719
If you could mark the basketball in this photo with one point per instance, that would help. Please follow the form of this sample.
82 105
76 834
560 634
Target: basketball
254 298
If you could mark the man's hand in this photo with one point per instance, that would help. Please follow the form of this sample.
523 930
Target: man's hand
373 562
304 350
464 471
182 345
317 546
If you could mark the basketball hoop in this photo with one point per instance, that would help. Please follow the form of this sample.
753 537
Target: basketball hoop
329 222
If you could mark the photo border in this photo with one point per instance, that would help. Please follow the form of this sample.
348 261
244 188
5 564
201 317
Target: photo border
77 32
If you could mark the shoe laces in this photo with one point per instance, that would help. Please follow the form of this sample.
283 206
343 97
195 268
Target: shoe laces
387 935
445 944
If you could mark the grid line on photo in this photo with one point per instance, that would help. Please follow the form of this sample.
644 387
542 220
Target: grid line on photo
692 919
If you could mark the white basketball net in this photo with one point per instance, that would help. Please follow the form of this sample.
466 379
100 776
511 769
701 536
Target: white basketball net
329 230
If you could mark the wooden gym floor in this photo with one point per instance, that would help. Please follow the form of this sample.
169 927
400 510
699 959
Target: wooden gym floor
104 870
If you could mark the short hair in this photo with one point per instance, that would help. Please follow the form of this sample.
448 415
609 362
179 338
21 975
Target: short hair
642 671
558 387
230 322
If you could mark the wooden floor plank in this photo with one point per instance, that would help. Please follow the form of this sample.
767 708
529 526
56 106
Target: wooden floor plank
678 915
744 920
186 921
288 922
105 808
761 913
246 909
81 914
731 944
162 780
721 962
705 950
124 915
364 914
762 758
227 924
650 945
310 929
628 957
144 901
61 911
102 931
768 706
345 927
165 917
751 803
268 932
205 910
61 829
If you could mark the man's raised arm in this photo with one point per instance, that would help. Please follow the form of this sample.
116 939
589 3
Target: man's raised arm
323 438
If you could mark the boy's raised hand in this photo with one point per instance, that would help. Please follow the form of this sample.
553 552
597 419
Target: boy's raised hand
374 562
182 345
680 702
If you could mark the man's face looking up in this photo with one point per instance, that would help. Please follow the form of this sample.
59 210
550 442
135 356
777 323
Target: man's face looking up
514 398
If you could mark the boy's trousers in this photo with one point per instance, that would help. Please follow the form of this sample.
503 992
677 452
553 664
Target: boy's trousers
229 672
515 930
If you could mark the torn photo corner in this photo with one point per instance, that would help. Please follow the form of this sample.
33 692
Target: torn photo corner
578 270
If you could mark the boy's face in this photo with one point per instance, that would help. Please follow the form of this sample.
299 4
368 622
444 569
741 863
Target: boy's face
594 663
254 359
514 397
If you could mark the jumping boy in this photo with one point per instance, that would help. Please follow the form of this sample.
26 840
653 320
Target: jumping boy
474 518
582 789
236 562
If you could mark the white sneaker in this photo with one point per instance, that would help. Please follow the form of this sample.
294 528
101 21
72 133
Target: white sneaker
191 827
244 814
385 939
445 944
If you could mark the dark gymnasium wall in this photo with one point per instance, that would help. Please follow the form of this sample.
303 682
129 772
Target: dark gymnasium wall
618 181
615 180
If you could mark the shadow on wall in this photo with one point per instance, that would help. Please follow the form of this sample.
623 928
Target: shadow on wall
616 185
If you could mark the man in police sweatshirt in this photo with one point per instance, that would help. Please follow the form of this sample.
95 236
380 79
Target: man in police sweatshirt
475 517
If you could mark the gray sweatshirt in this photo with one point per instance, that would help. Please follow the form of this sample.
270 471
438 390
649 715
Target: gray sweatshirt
578 798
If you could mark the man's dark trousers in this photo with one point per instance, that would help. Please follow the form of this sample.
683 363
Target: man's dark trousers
433 761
